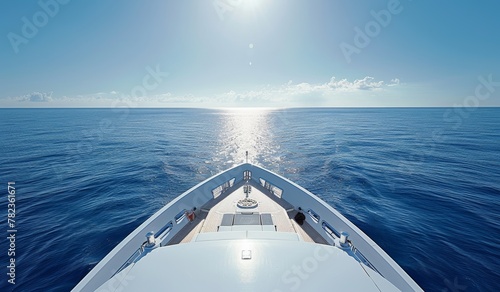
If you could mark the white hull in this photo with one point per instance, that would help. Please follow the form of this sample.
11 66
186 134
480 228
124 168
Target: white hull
359 263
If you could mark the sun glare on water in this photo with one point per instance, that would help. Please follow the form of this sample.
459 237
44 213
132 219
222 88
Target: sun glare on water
244 129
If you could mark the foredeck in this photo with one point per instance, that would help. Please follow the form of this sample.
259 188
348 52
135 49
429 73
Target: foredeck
248 241
254 247
210 217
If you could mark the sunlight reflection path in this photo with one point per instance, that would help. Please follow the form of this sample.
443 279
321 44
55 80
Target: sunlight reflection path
245 129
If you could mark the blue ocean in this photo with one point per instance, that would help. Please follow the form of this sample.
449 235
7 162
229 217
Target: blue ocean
422 183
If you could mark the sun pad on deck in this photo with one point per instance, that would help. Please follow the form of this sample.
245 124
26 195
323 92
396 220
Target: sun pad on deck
266 219
246 219
227 220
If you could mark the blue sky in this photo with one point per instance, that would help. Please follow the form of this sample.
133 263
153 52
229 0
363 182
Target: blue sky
281 53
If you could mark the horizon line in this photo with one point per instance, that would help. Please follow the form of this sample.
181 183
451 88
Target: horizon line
256 108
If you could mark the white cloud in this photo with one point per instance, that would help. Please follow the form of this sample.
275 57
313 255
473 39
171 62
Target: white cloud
36 97
341 92
304 93
394 82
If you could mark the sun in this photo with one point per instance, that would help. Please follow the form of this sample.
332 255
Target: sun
250 4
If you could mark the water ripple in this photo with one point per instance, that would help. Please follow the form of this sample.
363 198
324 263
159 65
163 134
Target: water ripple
431 204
